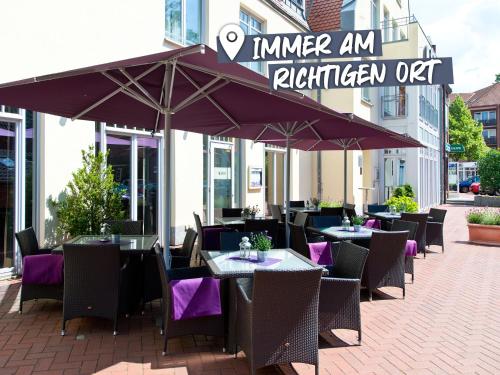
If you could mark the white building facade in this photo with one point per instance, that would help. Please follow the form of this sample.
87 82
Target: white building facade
39 151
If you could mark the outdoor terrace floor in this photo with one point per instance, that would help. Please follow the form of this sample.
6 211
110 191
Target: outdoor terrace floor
449 323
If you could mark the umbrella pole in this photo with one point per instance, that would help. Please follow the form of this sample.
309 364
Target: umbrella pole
287 197
167 188
345 176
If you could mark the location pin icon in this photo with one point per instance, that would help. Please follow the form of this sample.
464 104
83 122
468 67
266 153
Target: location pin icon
232 38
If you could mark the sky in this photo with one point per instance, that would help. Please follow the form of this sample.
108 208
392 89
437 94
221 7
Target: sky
469 32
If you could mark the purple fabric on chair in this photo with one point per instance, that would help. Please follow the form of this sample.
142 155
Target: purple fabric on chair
195 298
43 269
411 248
211 237
321 253
373 224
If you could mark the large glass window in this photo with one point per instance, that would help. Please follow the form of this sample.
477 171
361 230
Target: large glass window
183 21
374 14
119 159
486 118
28 215
147 183
394 102
252 26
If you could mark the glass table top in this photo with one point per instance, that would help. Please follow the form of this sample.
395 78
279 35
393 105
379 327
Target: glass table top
229 263
127 243
235 220
342 234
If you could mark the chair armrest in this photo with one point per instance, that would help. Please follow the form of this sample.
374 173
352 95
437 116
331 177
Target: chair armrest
188 273
212 226
333 288
313 238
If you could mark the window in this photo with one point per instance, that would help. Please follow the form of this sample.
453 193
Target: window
386 26
490 136
365 94
296 5
183 21
251 26
486 118
394 102
374 14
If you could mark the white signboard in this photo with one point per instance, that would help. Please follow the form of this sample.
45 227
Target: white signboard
222 173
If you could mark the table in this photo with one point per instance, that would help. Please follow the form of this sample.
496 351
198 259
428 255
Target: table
228 221
227 264
129 245
307 210
388 215
339 234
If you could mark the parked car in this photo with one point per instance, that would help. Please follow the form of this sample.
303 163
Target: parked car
475 187
465 184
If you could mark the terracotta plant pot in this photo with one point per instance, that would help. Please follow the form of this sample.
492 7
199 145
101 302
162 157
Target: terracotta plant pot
484 234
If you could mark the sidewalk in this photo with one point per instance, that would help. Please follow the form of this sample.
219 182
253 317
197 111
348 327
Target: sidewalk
449 323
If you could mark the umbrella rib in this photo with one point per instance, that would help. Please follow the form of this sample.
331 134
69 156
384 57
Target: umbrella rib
204 95
140 87
172 78
212 100
158 113
117 91
224 131
195 95
133 94
260 134
314 145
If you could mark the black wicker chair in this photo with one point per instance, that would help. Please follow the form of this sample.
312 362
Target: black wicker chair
339 298
297 204
127 227
385 263
434 230
267 225
181 258
230 241
421 219
372 208
276 212
91 282
28 245
350 211
298 240
411 227
300 218
275 327
331 211
199 244
208 325
231 212
323 221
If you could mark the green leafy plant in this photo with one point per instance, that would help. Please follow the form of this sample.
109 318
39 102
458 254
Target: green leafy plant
465 131
404 191
489 170
403 204
90 199
483 216
315 201
357 220
261 242
330 204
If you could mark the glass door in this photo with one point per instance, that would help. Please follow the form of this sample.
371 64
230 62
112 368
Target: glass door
221 178
7 192
275 178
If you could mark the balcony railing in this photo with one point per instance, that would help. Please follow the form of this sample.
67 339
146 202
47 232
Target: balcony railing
395 30
296 5
428 112
488 122
9 109
394 106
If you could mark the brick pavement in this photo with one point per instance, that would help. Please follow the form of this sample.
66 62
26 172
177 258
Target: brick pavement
449 323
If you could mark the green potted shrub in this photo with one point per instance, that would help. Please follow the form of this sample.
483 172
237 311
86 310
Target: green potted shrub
484 225
402 200
357 222
262 244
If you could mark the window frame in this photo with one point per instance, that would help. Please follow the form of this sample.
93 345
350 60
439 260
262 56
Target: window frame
252 17
183 26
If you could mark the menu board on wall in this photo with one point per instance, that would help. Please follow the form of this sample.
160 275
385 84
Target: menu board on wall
254 178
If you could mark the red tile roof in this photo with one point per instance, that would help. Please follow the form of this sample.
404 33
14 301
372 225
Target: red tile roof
324 14
487 96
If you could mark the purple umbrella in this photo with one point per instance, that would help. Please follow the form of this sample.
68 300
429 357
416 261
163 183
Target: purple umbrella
188 89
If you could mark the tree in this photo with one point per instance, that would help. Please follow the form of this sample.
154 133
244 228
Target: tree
489 170
464 130
91 198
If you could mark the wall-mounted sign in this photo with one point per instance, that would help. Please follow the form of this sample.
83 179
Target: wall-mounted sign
447 147
222 173
456 149
254 178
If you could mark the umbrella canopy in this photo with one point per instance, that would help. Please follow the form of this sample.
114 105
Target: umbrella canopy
187 89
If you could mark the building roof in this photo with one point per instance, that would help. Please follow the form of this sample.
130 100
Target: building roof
487 96
323 15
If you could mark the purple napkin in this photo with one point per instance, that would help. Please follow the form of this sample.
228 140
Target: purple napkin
411 248
321 253
373 224
43 269
195 298
253 259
